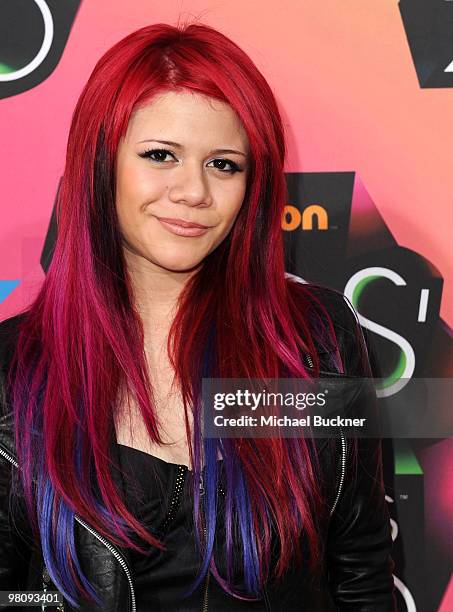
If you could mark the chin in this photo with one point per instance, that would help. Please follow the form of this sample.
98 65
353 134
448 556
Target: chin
180 264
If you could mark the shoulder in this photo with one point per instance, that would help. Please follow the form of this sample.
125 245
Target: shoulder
337 305
9 331
351 340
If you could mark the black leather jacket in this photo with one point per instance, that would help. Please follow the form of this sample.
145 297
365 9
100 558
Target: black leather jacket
356 535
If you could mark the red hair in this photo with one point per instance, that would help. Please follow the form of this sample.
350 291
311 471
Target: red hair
82 338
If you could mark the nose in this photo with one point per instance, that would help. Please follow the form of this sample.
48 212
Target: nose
190 186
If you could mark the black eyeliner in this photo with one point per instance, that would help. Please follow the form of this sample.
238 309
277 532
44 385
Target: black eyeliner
234 167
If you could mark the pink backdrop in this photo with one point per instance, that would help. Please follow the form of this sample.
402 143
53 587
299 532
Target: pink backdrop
351 101
344 79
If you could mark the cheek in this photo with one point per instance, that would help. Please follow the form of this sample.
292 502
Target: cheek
233 203
136 187
230 205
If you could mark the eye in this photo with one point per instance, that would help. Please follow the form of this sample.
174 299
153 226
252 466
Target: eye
233 166
160 154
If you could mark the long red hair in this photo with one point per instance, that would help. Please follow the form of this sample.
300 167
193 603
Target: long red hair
238 317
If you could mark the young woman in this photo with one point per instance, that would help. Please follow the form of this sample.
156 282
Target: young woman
169 268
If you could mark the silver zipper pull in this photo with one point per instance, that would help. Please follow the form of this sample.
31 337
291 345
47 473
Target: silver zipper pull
45 585
45 582
309 360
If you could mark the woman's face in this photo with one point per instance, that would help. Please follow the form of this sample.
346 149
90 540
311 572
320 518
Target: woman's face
185 158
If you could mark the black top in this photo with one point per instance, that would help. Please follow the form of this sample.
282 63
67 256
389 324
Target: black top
159 494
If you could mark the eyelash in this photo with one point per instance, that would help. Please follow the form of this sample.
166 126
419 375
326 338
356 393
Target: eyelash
234 167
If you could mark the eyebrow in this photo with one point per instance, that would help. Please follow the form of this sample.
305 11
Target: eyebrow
179 146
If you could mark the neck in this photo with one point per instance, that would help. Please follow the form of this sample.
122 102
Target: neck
156 293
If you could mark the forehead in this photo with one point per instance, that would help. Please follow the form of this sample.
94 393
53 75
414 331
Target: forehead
187 116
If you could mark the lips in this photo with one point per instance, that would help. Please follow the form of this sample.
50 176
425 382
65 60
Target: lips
182 223
191 231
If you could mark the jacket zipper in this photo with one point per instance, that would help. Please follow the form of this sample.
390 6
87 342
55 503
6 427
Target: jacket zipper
205 599
204 607
118 557
107 544
122 561
344 447
343 452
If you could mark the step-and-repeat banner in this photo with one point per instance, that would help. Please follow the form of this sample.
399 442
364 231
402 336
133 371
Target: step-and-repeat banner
366 92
